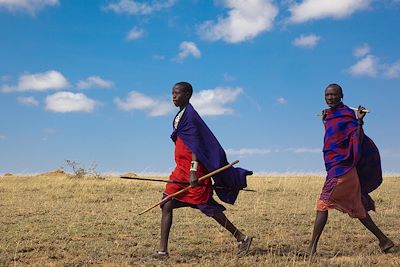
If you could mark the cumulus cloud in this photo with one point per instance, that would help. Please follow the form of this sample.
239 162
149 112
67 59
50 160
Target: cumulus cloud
367 66
134 34
392 71
212 102
281 100
27 6
132 7
247 151
306 41
27 100
245 21
361 51
304 150
138 101
94 81
70 102
186 49
370 65
319 9
38 82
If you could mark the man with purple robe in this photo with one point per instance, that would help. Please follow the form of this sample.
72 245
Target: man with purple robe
197 153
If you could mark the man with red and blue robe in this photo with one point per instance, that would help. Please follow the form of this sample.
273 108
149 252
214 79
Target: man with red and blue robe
197 153
353 168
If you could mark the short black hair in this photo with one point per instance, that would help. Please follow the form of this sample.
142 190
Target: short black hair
186 86
337 86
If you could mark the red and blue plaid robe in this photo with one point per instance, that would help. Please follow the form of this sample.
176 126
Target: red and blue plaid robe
343 151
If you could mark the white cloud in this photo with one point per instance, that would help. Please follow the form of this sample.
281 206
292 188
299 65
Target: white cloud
138 101
186 49
281 100
392 71
367 66
38 82
28 6
361 51
304 150
134 34
212 102
245 21
132 7
319 9
70 102
247 151
94 81
307 41
2 137
28 100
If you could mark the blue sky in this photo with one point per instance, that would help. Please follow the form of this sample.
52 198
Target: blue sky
91 81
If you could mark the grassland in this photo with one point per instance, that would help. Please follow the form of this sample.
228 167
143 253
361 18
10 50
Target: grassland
55 220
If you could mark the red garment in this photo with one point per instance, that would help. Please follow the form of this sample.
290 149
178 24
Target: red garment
347 197
183 158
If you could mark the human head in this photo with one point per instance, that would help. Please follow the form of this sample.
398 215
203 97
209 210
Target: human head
333 95
181 94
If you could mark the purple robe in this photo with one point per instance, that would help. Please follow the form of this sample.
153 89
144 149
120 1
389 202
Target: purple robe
202 142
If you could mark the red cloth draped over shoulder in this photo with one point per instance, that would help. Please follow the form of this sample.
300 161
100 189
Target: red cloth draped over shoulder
181 173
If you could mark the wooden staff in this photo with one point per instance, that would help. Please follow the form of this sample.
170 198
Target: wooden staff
184 183
188 187
363 110
355 109
154 180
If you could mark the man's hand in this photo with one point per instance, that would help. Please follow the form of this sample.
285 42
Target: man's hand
324 112
360 113
193 179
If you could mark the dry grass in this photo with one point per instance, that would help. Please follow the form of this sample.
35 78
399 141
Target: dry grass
55 220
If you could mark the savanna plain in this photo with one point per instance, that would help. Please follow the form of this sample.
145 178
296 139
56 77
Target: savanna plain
56 219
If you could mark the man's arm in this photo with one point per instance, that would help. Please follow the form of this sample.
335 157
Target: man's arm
360 117
324 113
193 168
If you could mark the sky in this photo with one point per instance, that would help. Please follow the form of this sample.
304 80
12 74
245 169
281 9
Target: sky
91 81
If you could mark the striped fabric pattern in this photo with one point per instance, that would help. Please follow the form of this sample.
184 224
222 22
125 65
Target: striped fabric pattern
343 151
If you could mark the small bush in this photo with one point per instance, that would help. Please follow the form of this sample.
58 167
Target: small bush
80 172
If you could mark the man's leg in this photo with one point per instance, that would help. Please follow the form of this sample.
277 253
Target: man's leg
222 220
384 242
319 224
166 222
244 242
